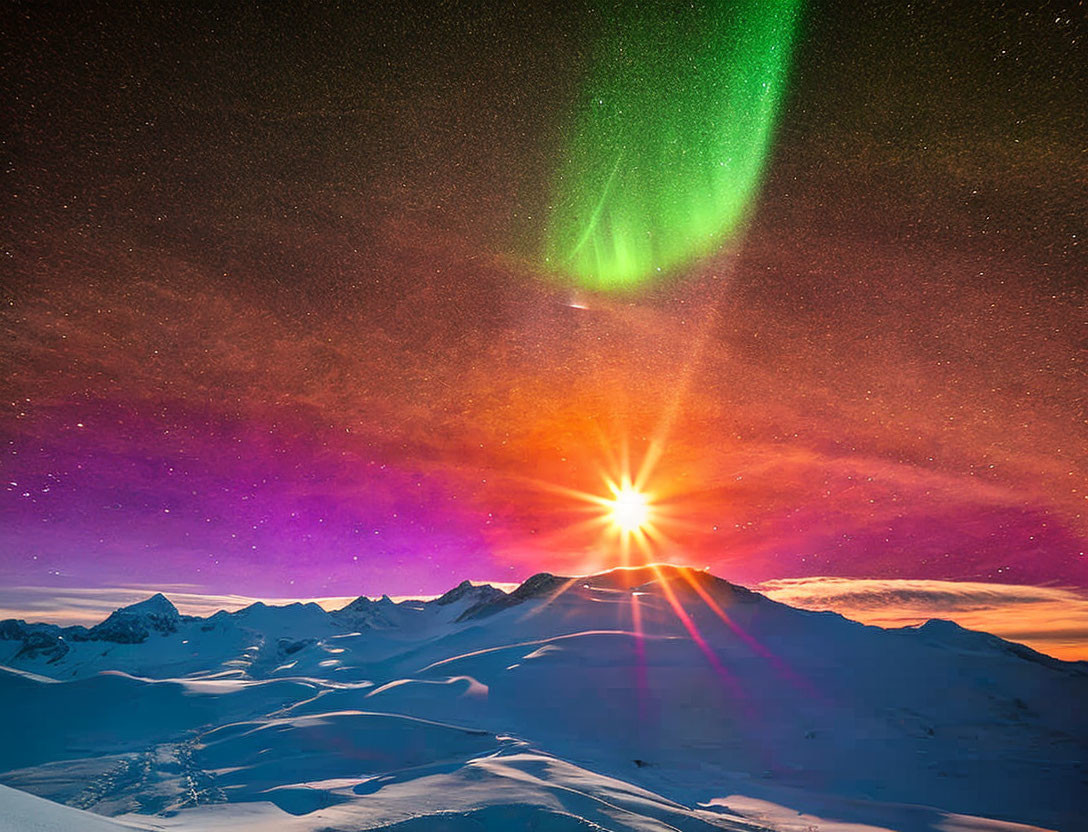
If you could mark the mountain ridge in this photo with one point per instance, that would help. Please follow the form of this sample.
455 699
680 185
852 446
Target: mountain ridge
686 698
134 623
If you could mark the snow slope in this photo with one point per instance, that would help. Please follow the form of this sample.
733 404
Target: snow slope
656 698
22 812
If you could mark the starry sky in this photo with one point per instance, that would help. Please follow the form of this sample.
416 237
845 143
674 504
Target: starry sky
274 321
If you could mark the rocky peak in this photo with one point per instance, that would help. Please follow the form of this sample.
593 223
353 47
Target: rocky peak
157 605
541 584
366 613
134 623
466 590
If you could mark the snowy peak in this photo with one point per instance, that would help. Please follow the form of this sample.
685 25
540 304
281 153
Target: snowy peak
128 625
681 580
279 619
466 590
366 614
134 623
949 634
364 604
454 594
540 585
358 605
157 606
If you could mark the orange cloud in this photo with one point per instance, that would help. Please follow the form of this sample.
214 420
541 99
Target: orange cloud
1052 620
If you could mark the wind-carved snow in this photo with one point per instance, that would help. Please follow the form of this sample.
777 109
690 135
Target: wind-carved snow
650 699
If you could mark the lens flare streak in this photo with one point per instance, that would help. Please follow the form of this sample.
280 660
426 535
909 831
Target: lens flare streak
642 682
780 667
696 636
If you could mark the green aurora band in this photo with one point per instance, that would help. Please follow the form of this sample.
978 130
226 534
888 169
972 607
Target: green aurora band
669 138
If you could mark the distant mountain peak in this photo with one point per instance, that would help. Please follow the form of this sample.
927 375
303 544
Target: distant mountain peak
535 586
360 603
366 613
467 589
157 604
451 595
681 579
134 623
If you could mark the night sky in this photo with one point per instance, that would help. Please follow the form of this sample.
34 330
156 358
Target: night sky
274 319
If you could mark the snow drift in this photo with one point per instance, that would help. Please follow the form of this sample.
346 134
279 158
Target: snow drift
651 698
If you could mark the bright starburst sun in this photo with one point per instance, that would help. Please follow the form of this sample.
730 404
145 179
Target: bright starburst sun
630 509
629 515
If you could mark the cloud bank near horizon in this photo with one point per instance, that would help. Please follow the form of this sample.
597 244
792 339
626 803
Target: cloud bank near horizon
1051 619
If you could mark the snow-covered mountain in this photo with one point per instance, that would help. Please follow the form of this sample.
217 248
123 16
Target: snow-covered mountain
657 698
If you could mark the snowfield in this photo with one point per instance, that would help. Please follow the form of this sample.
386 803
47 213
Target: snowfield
658 698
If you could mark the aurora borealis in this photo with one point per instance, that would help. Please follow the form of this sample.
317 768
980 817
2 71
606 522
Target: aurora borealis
276 321
671 134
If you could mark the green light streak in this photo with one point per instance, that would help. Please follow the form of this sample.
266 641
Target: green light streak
669 138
